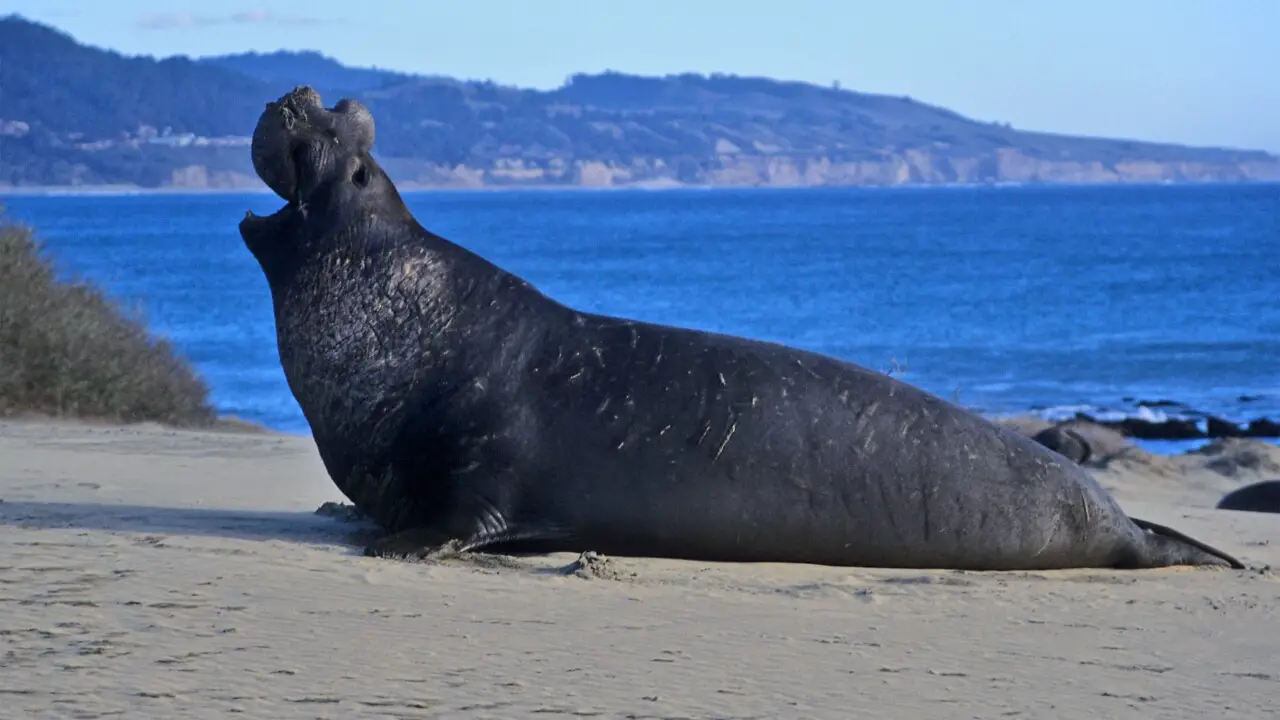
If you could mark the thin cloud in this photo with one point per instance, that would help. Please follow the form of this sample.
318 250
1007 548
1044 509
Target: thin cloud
180 21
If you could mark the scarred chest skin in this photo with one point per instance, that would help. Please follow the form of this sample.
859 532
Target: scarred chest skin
370 331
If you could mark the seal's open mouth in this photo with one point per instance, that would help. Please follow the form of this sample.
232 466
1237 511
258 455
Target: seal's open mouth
259 221
290 167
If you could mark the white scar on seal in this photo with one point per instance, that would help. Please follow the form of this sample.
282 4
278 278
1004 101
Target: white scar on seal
725 442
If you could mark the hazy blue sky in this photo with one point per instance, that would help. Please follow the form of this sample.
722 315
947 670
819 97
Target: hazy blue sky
1193 71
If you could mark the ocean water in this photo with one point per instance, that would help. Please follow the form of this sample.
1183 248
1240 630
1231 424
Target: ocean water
1012 299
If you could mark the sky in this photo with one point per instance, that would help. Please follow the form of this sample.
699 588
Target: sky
1187 71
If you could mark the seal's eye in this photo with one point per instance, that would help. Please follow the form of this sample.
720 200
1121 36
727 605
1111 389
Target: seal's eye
360 177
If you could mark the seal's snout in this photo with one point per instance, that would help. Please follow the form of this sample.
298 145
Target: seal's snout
300 117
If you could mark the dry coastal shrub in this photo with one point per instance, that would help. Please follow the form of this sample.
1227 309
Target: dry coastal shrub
66 350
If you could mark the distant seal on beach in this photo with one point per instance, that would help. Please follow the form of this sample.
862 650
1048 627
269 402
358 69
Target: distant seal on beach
461 408
1066 442
1261 497
1083 442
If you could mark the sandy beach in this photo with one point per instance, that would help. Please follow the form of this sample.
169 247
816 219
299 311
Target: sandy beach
154 573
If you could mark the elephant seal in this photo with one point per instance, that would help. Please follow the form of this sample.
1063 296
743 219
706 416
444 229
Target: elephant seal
461 408
1083 442
1066 442
1263 497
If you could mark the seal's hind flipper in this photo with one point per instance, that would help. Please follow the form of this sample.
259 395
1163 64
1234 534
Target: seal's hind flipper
1178 548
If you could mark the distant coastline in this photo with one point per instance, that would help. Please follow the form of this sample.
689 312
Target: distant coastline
184 125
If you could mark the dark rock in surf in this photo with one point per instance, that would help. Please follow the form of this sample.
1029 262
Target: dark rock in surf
1263 428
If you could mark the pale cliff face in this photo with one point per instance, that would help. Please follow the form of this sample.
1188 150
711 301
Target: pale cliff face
909 167
912 167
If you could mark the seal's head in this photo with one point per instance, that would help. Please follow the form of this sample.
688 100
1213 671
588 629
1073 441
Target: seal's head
318 159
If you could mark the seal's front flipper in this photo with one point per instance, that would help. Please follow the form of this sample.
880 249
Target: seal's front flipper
412 544
425 543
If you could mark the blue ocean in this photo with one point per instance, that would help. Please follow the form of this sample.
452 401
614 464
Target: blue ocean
1048 300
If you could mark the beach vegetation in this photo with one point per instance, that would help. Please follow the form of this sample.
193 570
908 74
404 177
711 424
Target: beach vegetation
68 350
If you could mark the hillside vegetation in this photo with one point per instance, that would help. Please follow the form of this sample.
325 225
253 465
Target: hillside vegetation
67 351
71 114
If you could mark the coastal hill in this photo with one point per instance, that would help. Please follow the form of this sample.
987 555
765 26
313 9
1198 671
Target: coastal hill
71 114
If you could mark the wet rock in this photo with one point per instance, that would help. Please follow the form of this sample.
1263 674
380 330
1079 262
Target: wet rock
1172 429
1157 403
1263 427
1216 427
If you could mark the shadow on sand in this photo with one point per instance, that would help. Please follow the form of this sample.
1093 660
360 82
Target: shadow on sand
302 527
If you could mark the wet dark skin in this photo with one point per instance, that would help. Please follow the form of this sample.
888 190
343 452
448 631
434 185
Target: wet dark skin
1259 497
460 407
